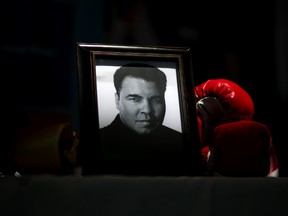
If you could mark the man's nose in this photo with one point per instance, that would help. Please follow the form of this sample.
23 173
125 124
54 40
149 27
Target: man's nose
146 107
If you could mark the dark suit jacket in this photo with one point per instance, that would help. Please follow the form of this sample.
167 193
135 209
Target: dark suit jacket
127 152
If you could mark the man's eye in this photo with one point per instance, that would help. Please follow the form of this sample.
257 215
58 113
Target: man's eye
157 100
135 99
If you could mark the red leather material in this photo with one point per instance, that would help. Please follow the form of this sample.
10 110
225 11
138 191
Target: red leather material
236 102
200 129
242 148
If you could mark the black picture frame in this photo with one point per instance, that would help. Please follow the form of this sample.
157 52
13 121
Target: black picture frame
97 62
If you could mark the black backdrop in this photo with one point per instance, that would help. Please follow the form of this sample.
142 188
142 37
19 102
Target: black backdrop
245 42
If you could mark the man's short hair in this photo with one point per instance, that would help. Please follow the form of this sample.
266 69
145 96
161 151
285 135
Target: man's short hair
140 70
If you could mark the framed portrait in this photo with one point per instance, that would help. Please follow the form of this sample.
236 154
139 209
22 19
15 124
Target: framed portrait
137 111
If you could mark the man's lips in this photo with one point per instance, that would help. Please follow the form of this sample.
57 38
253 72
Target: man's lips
145 122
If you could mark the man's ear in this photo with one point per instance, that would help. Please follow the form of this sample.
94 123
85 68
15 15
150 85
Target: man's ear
117 100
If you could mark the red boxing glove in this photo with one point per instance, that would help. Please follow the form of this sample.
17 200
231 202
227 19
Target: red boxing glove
242 148
235 101
220 101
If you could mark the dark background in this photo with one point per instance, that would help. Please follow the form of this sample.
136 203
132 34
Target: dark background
243 41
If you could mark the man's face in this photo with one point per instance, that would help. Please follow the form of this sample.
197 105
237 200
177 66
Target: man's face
141 105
